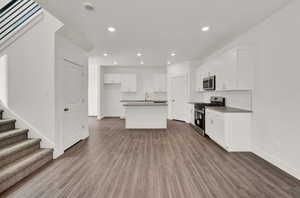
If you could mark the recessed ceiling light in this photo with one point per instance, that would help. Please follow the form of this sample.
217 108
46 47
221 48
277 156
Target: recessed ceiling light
105 54
111 29
139 54
173 54
205 29
169 62
115 62
142 63
88 6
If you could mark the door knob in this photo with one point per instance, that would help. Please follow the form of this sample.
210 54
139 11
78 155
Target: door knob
66 109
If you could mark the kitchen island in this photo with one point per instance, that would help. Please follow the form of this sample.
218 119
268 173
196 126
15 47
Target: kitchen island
146 115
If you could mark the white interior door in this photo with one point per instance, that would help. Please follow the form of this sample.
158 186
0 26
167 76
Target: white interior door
73 94
178 96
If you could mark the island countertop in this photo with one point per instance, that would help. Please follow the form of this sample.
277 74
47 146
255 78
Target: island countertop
127 101
145 104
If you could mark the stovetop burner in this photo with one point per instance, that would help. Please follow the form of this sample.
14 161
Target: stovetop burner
214 101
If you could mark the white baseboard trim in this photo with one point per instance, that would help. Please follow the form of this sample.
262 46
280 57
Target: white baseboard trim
277 162
57 153
100 117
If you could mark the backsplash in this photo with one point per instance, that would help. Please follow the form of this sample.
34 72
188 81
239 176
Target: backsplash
238 99
141 96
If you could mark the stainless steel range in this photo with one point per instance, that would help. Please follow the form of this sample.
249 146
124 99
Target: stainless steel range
200 112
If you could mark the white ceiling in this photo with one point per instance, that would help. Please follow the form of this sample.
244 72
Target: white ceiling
158 27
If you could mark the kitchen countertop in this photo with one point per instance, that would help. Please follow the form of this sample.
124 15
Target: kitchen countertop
229 110
194 102
144 101
144 104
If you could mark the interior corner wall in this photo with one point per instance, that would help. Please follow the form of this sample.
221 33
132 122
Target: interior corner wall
276 93
31 75
93 72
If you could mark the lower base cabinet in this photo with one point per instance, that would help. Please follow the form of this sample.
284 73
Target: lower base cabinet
232 131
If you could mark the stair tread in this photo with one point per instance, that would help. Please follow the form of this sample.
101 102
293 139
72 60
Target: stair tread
12 133
6 121
17 147
11 169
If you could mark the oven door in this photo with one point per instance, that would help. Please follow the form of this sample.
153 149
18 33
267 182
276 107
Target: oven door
200 119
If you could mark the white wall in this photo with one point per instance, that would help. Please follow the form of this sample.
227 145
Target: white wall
276 93
93 86
31 76
64 49
3 80
111 94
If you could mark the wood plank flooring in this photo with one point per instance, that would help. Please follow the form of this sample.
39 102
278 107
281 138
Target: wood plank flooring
175 163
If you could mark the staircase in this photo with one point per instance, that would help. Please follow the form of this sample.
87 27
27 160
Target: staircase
15 15
19 155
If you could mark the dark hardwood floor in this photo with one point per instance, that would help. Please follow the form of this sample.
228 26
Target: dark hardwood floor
173 163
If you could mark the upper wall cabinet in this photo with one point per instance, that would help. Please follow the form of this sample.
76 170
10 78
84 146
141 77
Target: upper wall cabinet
245 70
237 71
233 70
128 83
160 83
110 78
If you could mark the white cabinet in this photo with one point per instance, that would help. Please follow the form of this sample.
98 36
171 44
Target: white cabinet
209 127
122 111
191 114
214 127
160 83
230 130
199 80
110 78
228 71
245 69
201 73
128 83
237 69
234 70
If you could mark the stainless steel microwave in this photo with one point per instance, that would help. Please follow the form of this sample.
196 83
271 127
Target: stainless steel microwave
209 83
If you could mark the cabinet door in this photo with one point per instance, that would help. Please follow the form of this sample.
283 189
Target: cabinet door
219 129
199 80
160 83
245 69
124 83
132 82
229 69
201 73
111 79
191 114
128 83
209 128
216 70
